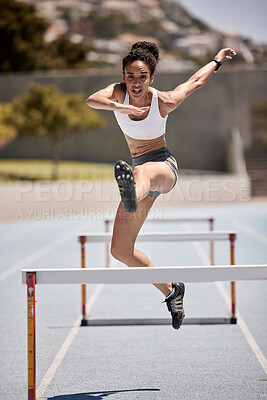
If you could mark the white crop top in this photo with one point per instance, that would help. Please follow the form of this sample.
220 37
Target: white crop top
152 127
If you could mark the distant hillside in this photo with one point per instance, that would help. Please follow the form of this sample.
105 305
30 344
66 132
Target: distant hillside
107 28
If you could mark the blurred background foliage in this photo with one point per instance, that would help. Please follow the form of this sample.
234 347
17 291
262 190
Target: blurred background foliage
23 47
45 110
8 132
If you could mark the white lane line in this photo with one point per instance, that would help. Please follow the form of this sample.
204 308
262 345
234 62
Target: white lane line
40 253
246 332
241 323
66 345
250 232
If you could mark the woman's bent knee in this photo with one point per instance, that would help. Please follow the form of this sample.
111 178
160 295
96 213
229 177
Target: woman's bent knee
121 254
138 172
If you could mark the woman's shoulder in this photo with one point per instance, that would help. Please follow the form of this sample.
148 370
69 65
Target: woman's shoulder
119 91
163 102
163 96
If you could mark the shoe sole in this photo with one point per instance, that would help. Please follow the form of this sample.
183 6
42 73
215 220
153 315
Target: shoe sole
125 180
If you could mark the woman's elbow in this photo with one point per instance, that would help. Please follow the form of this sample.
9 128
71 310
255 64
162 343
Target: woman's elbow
90 101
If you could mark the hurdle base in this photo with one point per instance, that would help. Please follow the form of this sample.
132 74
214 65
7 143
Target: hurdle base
233 320
155 321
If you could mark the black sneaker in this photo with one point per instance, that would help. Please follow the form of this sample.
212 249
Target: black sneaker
175 305
125 179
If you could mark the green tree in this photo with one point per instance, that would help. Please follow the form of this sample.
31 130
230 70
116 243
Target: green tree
22 42
7 131
21 35
68 54
45 110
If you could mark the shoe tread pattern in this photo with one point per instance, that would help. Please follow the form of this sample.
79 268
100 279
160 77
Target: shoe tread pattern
126 183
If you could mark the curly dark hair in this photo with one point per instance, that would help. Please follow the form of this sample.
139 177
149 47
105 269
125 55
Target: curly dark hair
147 52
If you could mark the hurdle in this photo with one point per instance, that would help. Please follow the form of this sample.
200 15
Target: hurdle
181 219
32 277
105 237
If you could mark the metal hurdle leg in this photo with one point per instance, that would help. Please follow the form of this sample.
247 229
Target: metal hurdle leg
83 241
211 222
31 335
233 296
107 245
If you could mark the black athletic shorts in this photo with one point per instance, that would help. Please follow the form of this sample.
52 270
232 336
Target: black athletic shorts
162 154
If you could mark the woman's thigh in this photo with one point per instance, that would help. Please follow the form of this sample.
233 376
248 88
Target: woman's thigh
161 176
127 225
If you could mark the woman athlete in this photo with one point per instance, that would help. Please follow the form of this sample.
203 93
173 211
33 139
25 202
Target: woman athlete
141 112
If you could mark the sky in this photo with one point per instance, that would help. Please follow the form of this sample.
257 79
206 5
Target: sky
247 17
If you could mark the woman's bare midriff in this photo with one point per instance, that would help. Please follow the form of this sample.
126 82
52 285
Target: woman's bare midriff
139 147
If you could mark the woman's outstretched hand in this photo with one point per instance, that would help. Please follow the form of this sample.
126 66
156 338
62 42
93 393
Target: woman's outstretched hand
225 54
131 110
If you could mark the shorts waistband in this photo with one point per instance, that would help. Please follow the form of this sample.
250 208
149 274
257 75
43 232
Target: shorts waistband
156 155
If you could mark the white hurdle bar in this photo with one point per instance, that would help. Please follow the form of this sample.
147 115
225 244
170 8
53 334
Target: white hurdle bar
31 277
125 275
180 219
105 237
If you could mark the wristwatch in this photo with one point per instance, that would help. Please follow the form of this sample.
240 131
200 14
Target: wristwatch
219 64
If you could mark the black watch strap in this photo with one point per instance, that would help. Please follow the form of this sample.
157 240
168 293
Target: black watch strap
219 64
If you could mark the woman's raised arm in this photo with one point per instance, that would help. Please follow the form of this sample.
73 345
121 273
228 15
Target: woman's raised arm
111 98
104 99
175 97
